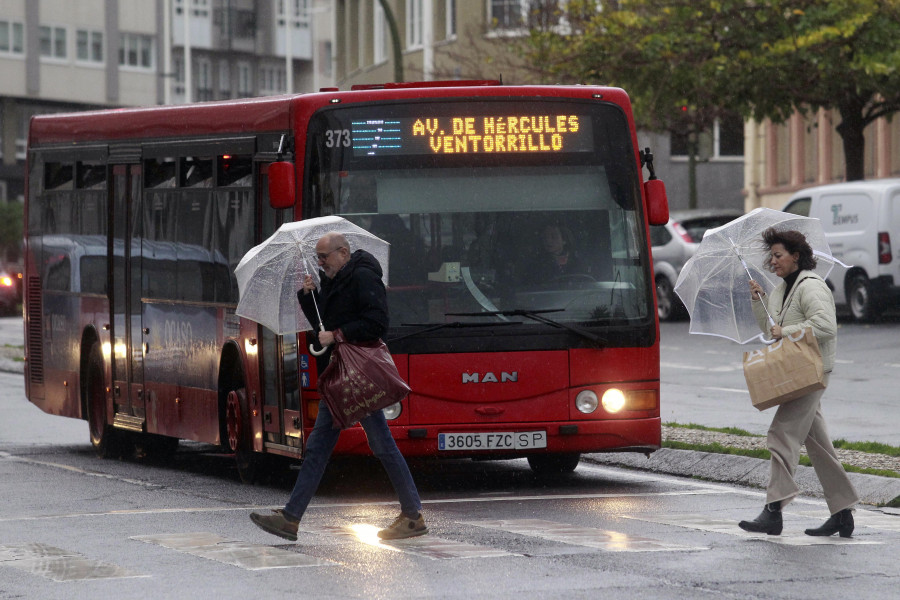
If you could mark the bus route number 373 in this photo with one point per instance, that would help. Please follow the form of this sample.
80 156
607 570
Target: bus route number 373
522 440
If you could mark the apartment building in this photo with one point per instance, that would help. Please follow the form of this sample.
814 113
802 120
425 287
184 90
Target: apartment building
66 55
806 151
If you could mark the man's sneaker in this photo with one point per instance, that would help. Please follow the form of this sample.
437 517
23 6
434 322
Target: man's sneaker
277 523
404 527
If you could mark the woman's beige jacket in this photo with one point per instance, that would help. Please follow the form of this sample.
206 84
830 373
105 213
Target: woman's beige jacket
810 304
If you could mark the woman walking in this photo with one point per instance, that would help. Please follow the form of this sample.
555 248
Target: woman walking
802 300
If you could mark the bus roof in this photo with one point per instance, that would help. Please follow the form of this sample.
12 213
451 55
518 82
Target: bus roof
249 115
271 113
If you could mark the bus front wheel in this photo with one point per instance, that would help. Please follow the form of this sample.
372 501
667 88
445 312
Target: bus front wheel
104 438
237 427
549 465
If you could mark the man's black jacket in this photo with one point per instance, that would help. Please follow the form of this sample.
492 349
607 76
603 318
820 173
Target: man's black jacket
354 301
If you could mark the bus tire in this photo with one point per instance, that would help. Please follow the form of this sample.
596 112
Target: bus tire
237 427
549 465
104 438
863 305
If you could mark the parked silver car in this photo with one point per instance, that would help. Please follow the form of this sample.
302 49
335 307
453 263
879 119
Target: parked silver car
673 244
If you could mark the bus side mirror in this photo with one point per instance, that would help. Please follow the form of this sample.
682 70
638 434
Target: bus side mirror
657 202
281 184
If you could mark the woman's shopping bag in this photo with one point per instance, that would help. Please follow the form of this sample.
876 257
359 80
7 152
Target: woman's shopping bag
360 379
787 369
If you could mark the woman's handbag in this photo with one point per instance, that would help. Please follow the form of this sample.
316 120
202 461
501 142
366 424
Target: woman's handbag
787 369
360 379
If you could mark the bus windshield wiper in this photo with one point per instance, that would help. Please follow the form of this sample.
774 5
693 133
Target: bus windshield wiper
455 325
535 315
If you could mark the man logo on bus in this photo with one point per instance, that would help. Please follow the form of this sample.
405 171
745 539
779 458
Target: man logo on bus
490 377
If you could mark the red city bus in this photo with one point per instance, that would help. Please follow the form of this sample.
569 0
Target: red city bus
521 288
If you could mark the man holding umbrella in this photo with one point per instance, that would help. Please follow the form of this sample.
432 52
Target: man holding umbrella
354 302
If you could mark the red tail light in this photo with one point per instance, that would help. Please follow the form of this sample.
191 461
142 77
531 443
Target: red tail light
682 232
884 247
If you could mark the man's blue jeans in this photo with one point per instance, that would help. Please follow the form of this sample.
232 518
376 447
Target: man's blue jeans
321 444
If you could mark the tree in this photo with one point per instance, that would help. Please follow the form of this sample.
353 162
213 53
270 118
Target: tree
666 54
688 62
804 55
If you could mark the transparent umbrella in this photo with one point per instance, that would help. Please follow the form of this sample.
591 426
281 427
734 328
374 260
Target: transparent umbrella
270 274
713 283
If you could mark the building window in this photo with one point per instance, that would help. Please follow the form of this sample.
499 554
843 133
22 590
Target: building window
507 14
272 80
53 42
89 46
726 140
380 35
245 84
224 79
199 8
12 38
450 27
204 80
137 51
295 10
413 24
178 87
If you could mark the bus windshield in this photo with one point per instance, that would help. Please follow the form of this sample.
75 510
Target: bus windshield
491 207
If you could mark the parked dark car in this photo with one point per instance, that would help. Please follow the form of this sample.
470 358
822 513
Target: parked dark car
673 244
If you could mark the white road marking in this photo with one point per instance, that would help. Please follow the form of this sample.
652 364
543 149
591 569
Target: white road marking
730 527
59 565
428 546
591 537
247 556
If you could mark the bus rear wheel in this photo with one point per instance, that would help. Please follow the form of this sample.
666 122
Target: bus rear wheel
550 465
237 427
104 438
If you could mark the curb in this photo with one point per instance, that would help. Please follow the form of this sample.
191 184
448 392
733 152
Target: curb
11 366
744 470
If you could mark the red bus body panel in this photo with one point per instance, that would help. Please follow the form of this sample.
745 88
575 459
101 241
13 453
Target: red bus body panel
474 392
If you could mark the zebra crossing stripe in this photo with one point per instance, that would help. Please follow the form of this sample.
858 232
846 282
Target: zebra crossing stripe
603 539
427 546
730 527
251 557
58 564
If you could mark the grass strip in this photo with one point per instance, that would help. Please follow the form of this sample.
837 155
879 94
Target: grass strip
717 448
872 447
728 430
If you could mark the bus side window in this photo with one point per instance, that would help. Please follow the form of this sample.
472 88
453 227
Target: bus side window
58 274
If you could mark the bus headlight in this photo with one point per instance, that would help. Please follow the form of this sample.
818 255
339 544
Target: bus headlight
586 401
393 411
613 400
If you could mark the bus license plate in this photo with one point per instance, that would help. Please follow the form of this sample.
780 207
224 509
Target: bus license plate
521 440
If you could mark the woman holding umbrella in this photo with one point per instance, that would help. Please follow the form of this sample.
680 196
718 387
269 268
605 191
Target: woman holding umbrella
801 300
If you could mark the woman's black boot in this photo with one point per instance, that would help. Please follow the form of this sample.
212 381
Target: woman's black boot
840 522
769 521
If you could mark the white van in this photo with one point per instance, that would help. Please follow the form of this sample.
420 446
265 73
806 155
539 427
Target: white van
860 219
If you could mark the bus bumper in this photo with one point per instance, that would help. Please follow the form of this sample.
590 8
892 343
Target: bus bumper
615 435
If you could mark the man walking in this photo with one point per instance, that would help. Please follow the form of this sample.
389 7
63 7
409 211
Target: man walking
353 300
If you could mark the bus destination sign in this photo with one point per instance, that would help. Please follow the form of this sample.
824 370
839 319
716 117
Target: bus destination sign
484 134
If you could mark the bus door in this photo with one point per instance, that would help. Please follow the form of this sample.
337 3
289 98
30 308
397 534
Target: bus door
278 355
125 299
